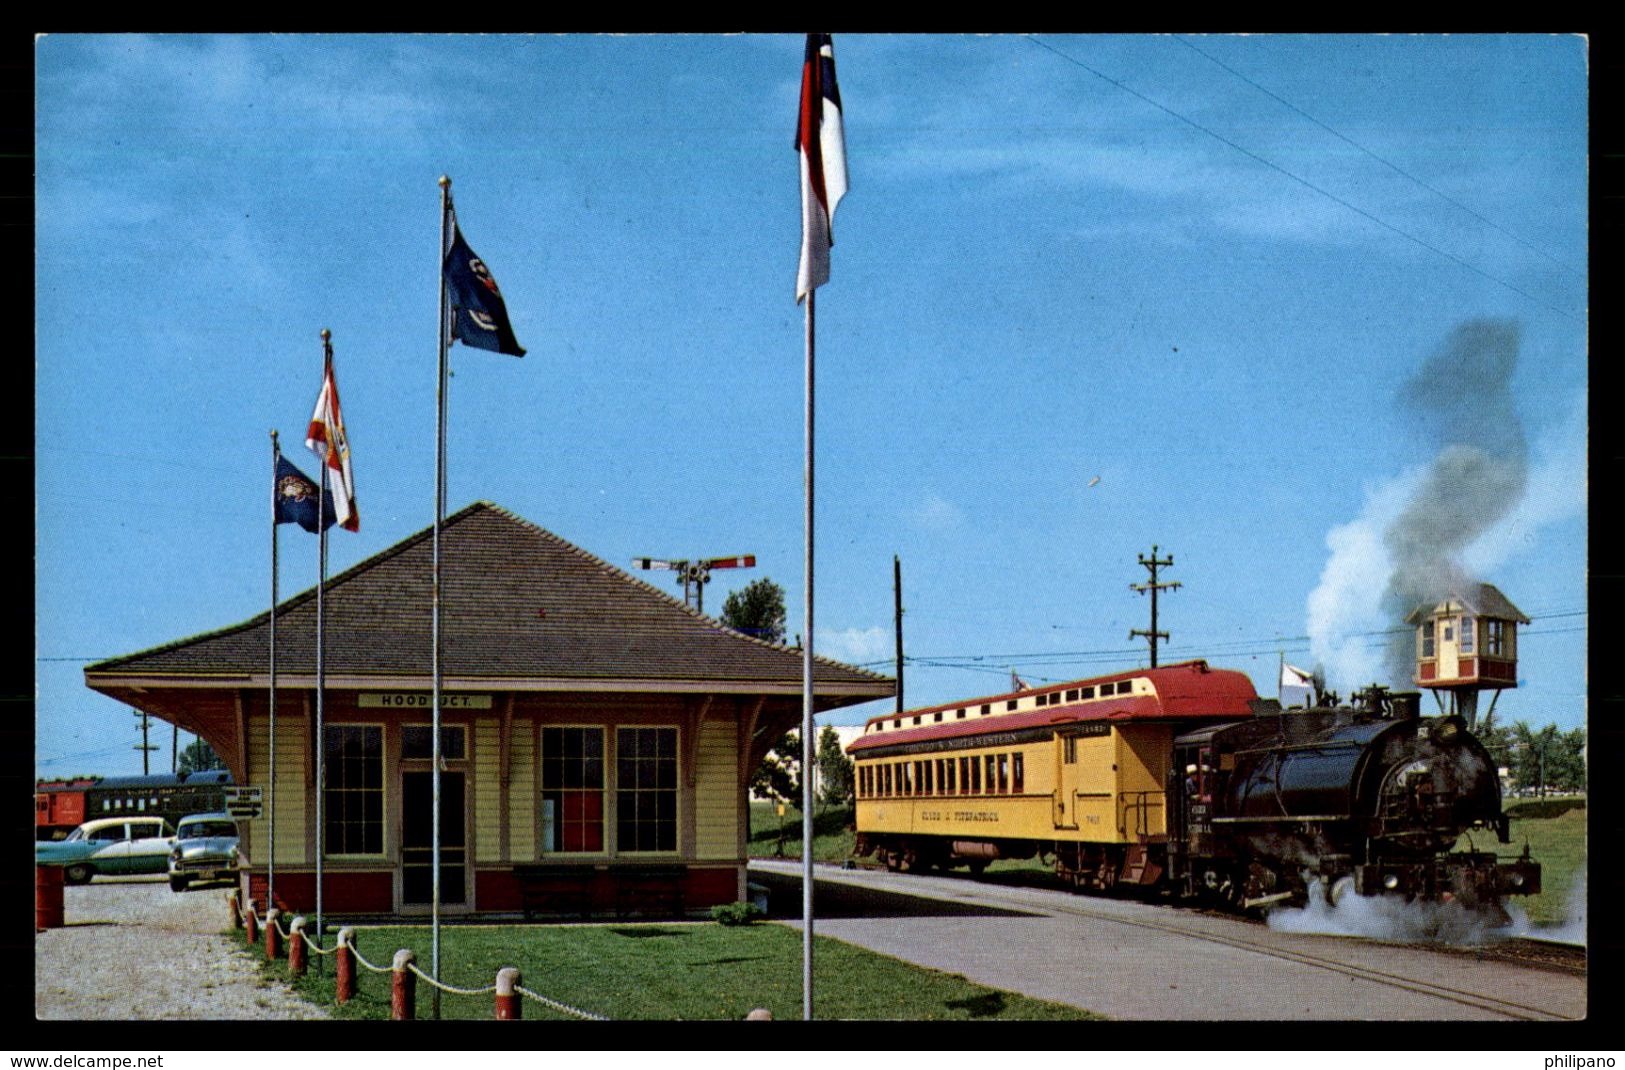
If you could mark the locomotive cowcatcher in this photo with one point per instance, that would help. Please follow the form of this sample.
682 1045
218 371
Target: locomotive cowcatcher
1181 778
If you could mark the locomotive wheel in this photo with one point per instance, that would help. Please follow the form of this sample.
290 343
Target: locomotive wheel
893 860
78 873
978 867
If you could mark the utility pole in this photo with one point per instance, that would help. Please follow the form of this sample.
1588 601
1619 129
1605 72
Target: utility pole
1152 566
174 749
144 747
897 599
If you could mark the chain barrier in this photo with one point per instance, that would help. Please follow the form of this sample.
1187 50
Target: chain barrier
277 921
556 1005
448 988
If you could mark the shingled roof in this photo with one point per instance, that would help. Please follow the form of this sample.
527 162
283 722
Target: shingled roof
1482 599
518 604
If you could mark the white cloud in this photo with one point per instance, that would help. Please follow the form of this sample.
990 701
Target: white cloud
936 513
853 644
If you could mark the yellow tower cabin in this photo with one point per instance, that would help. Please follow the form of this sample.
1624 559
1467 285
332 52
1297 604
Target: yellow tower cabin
1465 644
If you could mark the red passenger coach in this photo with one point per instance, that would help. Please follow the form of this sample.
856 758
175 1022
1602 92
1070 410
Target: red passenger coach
1078 770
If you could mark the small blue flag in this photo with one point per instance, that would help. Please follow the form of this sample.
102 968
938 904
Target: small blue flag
296 499
479 316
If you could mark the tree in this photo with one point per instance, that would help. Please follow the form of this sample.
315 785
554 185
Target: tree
757 609
198 757
834 770
779 775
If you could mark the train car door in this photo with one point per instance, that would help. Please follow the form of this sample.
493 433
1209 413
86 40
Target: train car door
1066 781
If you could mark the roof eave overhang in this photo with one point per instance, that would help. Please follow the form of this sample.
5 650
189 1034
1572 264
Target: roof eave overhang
846 693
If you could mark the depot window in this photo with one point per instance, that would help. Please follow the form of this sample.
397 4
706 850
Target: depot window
353 768
417 741
646 789
572 789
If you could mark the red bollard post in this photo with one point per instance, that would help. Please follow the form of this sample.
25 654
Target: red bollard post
236 910
296 948
403 986
346 966
48 898
509 1008
251 926
273 936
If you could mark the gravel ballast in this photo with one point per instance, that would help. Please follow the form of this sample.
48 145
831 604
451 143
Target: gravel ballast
131 949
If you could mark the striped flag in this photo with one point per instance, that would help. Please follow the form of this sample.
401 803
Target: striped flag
821 145
326 438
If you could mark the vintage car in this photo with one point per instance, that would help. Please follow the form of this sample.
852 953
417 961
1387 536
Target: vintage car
110 845
205 849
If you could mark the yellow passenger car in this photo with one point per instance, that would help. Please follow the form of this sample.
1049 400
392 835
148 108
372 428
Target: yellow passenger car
1077 771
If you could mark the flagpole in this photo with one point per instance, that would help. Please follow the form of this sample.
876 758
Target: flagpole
439 517
321 664
1280 676
270 861
807 707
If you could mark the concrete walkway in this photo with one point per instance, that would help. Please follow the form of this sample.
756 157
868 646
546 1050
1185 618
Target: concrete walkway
1141 961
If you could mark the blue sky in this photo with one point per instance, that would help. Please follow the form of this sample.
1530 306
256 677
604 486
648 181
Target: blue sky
1201 269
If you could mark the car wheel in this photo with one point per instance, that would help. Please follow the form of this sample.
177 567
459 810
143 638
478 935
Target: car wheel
78 874
178 884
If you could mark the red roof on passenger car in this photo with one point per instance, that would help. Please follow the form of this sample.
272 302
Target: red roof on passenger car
1187 690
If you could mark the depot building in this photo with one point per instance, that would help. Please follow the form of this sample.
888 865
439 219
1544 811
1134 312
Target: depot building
597 734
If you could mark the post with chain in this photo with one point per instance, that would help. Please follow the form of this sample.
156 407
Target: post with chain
403 986
345 971
251 926
273 936
296 947
508 1005
235 905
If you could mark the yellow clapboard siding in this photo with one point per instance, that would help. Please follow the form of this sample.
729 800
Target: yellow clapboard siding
716 789
487 793
291 841
522 791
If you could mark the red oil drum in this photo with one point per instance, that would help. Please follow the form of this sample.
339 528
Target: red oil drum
47 897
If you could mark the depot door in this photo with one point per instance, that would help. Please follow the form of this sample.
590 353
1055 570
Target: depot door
417 840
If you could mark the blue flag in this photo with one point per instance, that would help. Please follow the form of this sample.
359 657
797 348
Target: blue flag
296 499
478 314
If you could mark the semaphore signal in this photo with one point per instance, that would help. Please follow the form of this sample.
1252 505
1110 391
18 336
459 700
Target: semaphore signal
696 574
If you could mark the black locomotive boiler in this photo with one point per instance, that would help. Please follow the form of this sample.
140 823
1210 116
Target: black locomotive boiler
1370 798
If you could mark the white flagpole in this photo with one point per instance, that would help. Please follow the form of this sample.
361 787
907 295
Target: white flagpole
321 664
439 516
807 708
270 860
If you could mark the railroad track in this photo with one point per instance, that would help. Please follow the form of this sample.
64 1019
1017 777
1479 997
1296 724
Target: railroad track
1532 953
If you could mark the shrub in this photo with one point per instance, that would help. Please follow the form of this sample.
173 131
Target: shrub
736 913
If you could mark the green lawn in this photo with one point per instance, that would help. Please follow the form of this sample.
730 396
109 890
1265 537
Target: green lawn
674 971
1555 830
832 832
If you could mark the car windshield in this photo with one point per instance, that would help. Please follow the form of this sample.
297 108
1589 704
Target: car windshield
199 829
76 834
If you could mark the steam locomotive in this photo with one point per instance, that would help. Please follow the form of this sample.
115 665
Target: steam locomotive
1180 778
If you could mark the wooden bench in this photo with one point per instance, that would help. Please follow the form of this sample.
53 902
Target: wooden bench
556 888
649 889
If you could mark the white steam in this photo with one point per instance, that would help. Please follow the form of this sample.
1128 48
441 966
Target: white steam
1387 918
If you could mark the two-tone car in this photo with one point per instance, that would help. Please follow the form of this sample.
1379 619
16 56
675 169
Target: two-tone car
205 849
109 846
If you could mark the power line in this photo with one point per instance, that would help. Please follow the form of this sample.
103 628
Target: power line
1298 179
1386 163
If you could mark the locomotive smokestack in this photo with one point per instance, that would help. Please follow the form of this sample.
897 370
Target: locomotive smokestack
1406 705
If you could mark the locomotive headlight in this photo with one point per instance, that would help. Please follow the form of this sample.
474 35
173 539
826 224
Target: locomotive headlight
1391 881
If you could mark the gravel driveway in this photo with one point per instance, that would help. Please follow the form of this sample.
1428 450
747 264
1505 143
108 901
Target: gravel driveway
132 949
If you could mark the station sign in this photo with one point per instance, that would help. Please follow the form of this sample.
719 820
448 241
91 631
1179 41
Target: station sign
244 801
421 700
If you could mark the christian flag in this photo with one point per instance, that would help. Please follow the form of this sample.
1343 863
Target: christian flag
295 498
822 147
326 438
479 316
